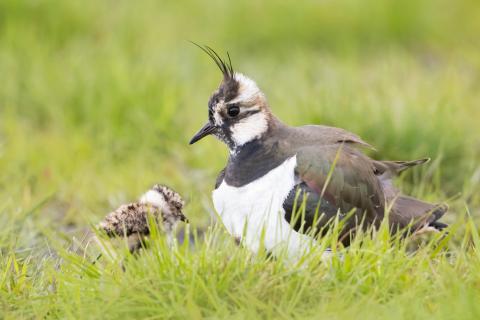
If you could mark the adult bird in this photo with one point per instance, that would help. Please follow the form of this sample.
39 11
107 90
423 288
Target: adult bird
271 163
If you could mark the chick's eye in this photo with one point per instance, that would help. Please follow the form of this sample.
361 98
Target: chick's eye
233 110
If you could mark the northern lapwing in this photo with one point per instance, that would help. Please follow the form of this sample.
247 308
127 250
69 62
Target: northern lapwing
131 220
270 162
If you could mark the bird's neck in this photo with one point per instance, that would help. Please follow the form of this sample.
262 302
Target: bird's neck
255 158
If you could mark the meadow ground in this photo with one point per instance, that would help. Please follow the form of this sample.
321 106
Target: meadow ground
99 99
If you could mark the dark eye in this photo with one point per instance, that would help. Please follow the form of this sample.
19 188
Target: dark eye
233 110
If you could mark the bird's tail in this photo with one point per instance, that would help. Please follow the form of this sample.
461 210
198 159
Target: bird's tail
407 211
421 215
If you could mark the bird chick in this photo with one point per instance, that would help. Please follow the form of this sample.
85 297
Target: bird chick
131 220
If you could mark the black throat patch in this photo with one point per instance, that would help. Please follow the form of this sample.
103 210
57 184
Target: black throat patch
252 161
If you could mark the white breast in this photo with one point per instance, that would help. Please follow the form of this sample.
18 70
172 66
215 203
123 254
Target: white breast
254 212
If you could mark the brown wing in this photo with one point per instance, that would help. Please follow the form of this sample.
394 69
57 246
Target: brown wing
387 170
393 168
352 184
330 135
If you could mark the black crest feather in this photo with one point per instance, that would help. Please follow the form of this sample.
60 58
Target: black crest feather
225 65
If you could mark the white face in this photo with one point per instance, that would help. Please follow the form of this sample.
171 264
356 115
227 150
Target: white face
249 128
242 118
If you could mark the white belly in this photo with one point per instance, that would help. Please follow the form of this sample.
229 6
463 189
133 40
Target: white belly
255 214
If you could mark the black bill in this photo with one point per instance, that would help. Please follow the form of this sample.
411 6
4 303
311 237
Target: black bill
205 131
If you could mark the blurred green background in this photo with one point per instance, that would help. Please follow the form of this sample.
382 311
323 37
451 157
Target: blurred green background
98 99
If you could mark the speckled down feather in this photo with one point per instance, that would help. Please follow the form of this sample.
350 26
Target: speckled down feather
132 218
129 219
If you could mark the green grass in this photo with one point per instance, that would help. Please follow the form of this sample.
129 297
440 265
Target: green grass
98 102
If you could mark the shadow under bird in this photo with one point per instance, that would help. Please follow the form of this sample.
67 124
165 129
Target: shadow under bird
270 162
131 220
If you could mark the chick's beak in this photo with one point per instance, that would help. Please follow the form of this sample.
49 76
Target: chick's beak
183 218
206 130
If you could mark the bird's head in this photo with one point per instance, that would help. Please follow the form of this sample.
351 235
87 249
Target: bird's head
238 111
165 198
